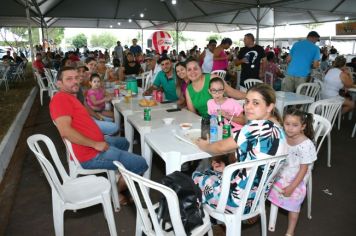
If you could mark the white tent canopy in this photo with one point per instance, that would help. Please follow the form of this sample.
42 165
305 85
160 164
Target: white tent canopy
186 15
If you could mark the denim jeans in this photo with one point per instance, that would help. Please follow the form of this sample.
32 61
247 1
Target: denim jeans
107 126
117 152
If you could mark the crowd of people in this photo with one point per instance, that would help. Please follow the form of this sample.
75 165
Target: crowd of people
188 79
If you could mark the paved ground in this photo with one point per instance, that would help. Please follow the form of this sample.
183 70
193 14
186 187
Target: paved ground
26 209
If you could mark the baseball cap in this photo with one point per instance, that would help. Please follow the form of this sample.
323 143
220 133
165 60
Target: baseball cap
163 59
149 56
81 64
313 34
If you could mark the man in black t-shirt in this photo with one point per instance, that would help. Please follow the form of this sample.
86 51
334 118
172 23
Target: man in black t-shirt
252 59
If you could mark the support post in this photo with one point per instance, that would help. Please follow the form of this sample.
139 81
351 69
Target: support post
29 30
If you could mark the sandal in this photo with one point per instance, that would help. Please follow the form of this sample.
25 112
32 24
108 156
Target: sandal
251 221
123 199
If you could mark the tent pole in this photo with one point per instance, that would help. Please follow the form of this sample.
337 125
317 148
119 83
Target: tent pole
142 39
177 38
42 32
29 30
258 20
274 36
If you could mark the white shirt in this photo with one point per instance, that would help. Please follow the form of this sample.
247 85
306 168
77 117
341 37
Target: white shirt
332 84
208 62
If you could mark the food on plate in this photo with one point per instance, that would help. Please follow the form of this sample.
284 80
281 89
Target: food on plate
185 126
147 103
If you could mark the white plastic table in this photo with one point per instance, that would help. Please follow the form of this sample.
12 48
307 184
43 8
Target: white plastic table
137 122
172 150
126 109
288 98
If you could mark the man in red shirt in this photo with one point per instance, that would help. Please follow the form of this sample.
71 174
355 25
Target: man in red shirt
92 149
38 64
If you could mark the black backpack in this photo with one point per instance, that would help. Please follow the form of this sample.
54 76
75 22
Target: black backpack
190 198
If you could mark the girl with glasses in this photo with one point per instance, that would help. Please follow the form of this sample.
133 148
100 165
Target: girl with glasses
223 107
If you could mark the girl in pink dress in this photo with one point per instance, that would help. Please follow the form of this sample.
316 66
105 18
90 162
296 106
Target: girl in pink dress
96 97
289 189
223 107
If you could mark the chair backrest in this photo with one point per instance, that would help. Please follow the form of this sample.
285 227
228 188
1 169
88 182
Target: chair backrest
50 173
149 220
251 82
146 79
40 81
71 157
268 79
308 89
220 73
327 108
321 128
5 73
270 165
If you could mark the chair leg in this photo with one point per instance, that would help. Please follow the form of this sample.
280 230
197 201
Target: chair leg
138 231
109 213
309 195
329 150
233 227
41 97
272 217
339 120
263 221
353 131
58 214
114 190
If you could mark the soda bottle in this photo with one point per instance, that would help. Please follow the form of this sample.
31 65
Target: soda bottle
213 129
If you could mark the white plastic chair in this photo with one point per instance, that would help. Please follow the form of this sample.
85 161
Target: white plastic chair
42 86
52 88
233 220
146 79
147 219
220 73
4 79
18 73
71 194
329 109
251 82
308 89
321 128
76 169
268 79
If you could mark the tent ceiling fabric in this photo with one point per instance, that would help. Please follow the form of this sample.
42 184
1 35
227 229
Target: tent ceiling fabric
192 15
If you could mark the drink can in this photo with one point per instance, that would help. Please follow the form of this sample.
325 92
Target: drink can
159 96
147 114
226 131
154 95
116 92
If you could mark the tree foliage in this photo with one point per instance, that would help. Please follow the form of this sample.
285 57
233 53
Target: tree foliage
217 37
104 40
14 37
79 40
56 35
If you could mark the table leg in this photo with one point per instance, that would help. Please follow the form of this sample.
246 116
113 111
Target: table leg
129 134
147 154
117 117
173 162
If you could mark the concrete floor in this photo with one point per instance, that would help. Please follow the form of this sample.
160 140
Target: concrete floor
26 208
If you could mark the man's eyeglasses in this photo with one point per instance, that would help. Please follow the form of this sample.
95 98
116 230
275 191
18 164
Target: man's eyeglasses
215 91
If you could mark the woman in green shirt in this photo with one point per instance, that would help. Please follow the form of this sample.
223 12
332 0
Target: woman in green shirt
197 94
